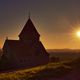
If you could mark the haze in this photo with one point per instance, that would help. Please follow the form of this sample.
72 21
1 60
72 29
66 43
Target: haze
56 21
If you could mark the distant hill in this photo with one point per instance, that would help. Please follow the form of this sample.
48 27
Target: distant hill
64 54
63 50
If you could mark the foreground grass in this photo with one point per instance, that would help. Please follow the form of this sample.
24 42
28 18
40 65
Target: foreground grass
37 73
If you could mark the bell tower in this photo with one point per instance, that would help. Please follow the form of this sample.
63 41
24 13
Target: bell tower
29 34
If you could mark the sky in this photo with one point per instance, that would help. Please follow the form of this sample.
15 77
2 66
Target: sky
57 21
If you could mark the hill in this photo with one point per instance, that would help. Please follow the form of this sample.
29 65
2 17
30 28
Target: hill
61 70
40 72
64 54
51 71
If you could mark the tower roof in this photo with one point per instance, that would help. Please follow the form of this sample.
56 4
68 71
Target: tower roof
29 29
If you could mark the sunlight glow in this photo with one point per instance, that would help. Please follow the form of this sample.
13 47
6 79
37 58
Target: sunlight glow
78 34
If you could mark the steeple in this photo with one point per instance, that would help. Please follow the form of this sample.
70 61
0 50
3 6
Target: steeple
29 15
29 32
6 38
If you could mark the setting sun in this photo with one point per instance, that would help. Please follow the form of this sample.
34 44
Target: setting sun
78 34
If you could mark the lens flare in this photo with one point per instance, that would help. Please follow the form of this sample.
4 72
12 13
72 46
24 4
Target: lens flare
78 33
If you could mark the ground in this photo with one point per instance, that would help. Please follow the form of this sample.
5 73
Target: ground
50 71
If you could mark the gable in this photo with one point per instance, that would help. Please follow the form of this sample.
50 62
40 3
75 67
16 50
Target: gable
29 29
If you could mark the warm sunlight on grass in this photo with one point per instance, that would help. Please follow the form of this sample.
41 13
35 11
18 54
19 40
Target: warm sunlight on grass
36 72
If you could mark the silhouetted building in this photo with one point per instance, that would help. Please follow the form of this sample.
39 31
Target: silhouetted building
28 51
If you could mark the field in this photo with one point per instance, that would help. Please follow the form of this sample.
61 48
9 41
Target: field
48 71
67 68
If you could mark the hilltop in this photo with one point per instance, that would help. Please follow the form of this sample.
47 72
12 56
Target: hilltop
63 50
50 71
60 70
38 73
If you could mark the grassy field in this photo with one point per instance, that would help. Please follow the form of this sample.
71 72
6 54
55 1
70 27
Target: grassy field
65 68
38 73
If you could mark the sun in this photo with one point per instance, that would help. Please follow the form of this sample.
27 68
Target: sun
78 33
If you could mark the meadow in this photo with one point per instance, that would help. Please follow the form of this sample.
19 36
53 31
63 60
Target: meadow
67 68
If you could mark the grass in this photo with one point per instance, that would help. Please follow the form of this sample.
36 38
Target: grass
37 73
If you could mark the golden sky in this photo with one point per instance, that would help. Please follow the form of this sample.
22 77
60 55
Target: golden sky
57 21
